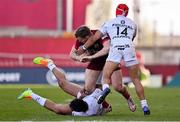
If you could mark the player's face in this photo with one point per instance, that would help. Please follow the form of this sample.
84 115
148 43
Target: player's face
83 40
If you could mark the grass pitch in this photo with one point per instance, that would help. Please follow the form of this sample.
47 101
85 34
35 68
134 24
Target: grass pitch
164 104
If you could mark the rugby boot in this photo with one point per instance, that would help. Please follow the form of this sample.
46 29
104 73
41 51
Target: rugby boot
131 104
26 94
146 110
42 61
103 95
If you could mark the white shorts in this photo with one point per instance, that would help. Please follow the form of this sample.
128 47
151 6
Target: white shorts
123 52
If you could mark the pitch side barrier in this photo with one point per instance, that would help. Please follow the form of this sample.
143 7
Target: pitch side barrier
19 69
39 75
42 75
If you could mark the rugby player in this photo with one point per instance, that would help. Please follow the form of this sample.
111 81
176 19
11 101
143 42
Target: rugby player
86 106
122 32
98 53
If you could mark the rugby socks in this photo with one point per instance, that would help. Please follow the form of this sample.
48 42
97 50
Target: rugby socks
105 104
144 103
51 65
125 93
105 86
40 100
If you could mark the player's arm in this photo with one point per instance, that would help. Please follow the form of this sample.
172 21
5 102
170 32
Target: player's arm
73 54
62 109
92 39
102 52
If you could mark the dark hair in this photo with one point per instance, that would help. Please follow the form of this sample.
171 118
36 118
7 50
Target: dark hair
82 32
79 105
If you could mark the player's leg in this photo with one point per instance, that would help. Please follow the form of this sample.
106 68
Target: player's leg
93 72
50 105
68 87
133 69
91 76
112 63
116 80
134 74
106 78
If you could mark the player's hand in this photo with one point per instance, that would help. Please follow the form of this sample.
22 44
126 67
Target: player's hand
83 93
86 59
81 50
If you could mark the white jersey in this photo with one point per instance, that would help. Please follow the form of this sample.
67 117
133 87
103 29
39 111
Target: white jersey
93 107
122 31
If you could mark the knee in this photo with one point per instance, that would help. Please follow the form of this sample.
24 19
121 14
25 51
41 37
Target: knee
119 88
89 88
61 80
61 83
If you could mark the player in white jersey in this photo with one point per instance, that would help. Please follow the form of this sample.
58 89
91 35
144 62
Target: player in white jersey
86 106
94 107
121 31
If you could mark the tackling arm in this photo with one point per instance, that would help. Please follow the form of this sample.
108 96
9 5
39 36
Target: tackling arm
74 55
89 42
102 52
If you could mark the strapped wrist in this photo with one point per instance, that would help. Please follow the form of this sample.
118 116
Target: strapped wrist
84 47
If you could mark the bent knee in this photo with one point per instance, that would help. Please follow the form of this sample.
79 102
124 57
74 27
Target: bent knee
62 83
119 88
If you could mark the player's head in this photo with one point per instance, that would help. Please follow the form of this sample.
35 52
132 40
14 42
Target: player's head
83 33
122 9
79 105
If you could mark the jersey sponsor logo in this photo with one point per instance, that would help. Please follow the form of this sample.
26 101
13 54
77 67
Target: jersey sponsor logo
122 22
121 36
123 25
122 47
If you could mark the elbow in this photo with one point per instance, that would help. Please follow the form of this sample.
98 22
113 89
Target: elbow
72 57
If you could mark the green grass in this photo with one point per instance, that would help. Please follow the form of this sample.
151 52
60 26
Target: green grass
164 104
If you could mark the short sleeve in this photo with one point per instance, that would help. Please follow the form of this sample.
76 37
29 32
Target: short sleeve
103 29
135 30
105 39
